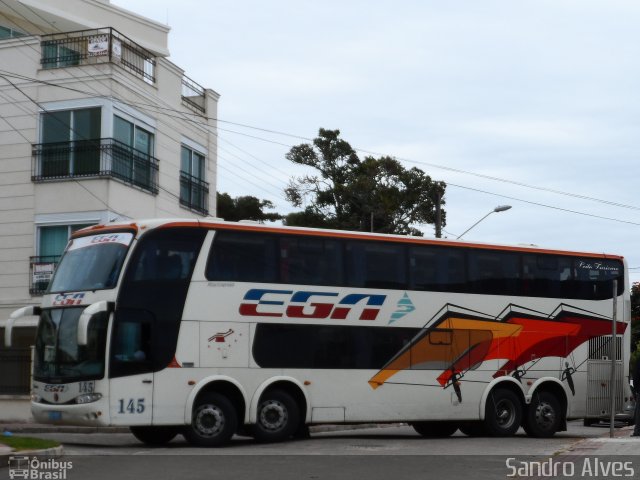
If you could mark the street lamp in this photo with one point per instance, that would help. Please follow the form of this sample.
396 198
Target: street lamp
498 209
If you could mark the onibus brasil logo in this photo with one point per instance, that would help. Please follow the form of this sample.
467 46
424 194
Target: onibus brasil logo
23 466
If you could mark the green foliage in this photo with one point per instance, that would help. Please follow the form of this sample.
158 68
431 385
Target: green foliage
369 194
27 443
245 208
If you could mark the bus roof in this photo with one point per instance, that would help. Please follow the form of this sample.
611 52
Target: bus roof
143 225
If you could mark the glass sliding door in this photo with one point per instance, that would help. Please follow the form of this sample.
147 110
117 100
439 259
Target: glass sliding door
86 136
70 143
134 150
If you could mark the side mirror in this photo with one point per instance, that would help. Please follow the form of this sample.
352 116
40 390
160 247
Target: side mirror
16 316
86 316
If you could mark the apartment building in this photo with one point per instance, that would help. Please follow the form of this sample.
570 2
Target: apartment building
96 125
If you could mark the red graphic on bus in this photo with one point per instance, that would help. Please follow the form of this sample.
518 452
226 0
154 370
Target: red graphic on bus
220 336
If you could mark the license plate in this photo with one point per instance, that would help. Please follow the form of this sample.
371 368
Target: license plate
55 415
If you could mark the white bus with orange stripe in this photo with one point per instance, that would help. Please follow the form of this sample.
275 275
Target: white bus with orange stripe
208 329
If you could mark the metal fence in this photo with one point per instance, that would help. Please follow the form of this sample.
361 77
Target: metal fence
194 193
105 157
101 45
193 94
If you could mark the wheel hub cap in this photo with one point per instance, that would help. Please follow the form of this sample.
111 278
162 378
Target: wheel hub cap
545 415
209 420
273 415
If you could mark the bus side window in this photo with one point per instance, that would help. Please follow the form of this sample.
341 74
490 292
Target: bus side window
310 261
243 257
493 272
423 271
376 265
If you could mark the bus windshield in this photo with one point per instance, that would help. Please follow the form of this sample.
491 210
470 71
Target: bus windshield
91 263
58 354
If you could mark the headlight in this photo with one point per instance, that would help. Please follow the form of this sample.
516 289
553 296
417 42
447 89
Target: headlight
88 398
35 398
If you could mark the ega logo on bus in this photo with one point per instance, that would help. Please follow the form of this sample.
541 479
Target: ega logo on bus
279 303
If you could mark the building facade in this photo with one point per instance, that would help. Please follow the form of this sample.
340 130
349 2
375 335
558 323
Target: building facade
96 125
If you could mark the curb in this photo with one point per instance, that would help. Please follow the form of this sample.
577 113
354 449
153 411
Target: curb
36 428
355 426
47 452
581 445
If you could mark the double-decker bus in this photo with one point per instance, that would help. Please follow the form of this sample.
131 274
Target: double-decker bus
208 329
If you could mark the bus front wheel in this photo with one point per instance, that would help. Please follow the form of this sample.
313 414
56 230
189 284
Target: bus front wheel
503 413
435 429
473 429
213 422
154 435
278 417
543 415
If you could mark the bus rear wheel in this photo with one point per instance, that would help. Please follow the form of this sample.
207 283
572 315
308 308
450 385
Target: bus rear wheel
213 422
503 413
155 435
543 415
278 417
435 429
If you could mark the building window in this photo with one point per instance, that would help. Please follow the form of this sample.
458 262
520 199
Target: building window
194 191
52 241
132 153
55 54
71 140
8 32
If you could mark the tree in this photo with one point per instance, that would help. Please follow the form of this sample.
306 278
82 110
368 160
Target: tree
369 194
245 208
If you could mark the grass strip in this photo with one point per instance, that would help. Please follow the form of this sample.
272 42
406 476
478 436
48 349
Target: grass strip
27 443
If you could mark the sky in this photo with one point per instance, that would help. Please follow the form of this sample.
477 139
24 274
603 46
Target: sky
543 96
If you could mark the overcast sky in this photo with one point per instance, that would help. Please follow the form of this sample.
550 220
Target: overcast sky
542 93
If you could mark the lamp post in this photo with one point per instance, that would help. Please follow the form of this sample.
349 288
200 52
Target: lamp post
498 209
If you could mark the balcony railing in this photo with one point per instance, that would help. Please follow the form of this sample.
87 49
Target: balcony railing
194 193
102 45
40 273
105 157
193 94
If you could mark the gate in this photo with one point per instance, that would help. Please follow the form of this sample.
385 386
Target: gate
15 364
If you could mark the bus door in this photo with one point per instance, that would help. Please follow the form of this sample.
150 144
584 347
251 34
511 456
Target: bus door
131 383
147 319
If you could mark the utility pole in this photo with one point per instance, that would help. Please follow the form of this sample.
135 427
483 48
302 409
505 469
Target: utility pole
439 214
614 355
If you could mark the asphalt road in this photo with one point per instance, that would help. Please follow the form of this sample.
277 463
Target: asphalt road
389 453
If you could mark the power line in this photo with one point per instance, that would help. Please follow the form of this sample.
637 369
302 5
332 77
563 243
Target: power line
276 132
545 205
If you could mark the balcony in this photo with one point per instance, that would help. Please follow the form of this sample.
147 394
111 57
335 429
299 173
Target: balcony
193 94
194 193
101 158
91 47
40 273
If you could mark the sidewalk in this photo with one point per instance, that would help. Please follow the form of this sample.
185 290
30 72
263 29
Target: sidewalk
621 444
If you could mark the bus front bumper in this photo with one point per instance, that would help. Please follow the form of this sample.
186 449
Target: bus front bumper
93 414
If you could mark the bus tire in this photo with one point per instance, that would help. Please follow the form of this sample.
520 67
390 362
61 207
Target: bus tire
155 435
473 429
213 421
503 413
435 429
278 417
544 415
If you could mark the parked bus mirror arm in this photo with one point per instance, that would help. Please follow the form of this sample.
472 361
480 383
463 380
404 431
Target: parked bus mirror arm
15 317
86 316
